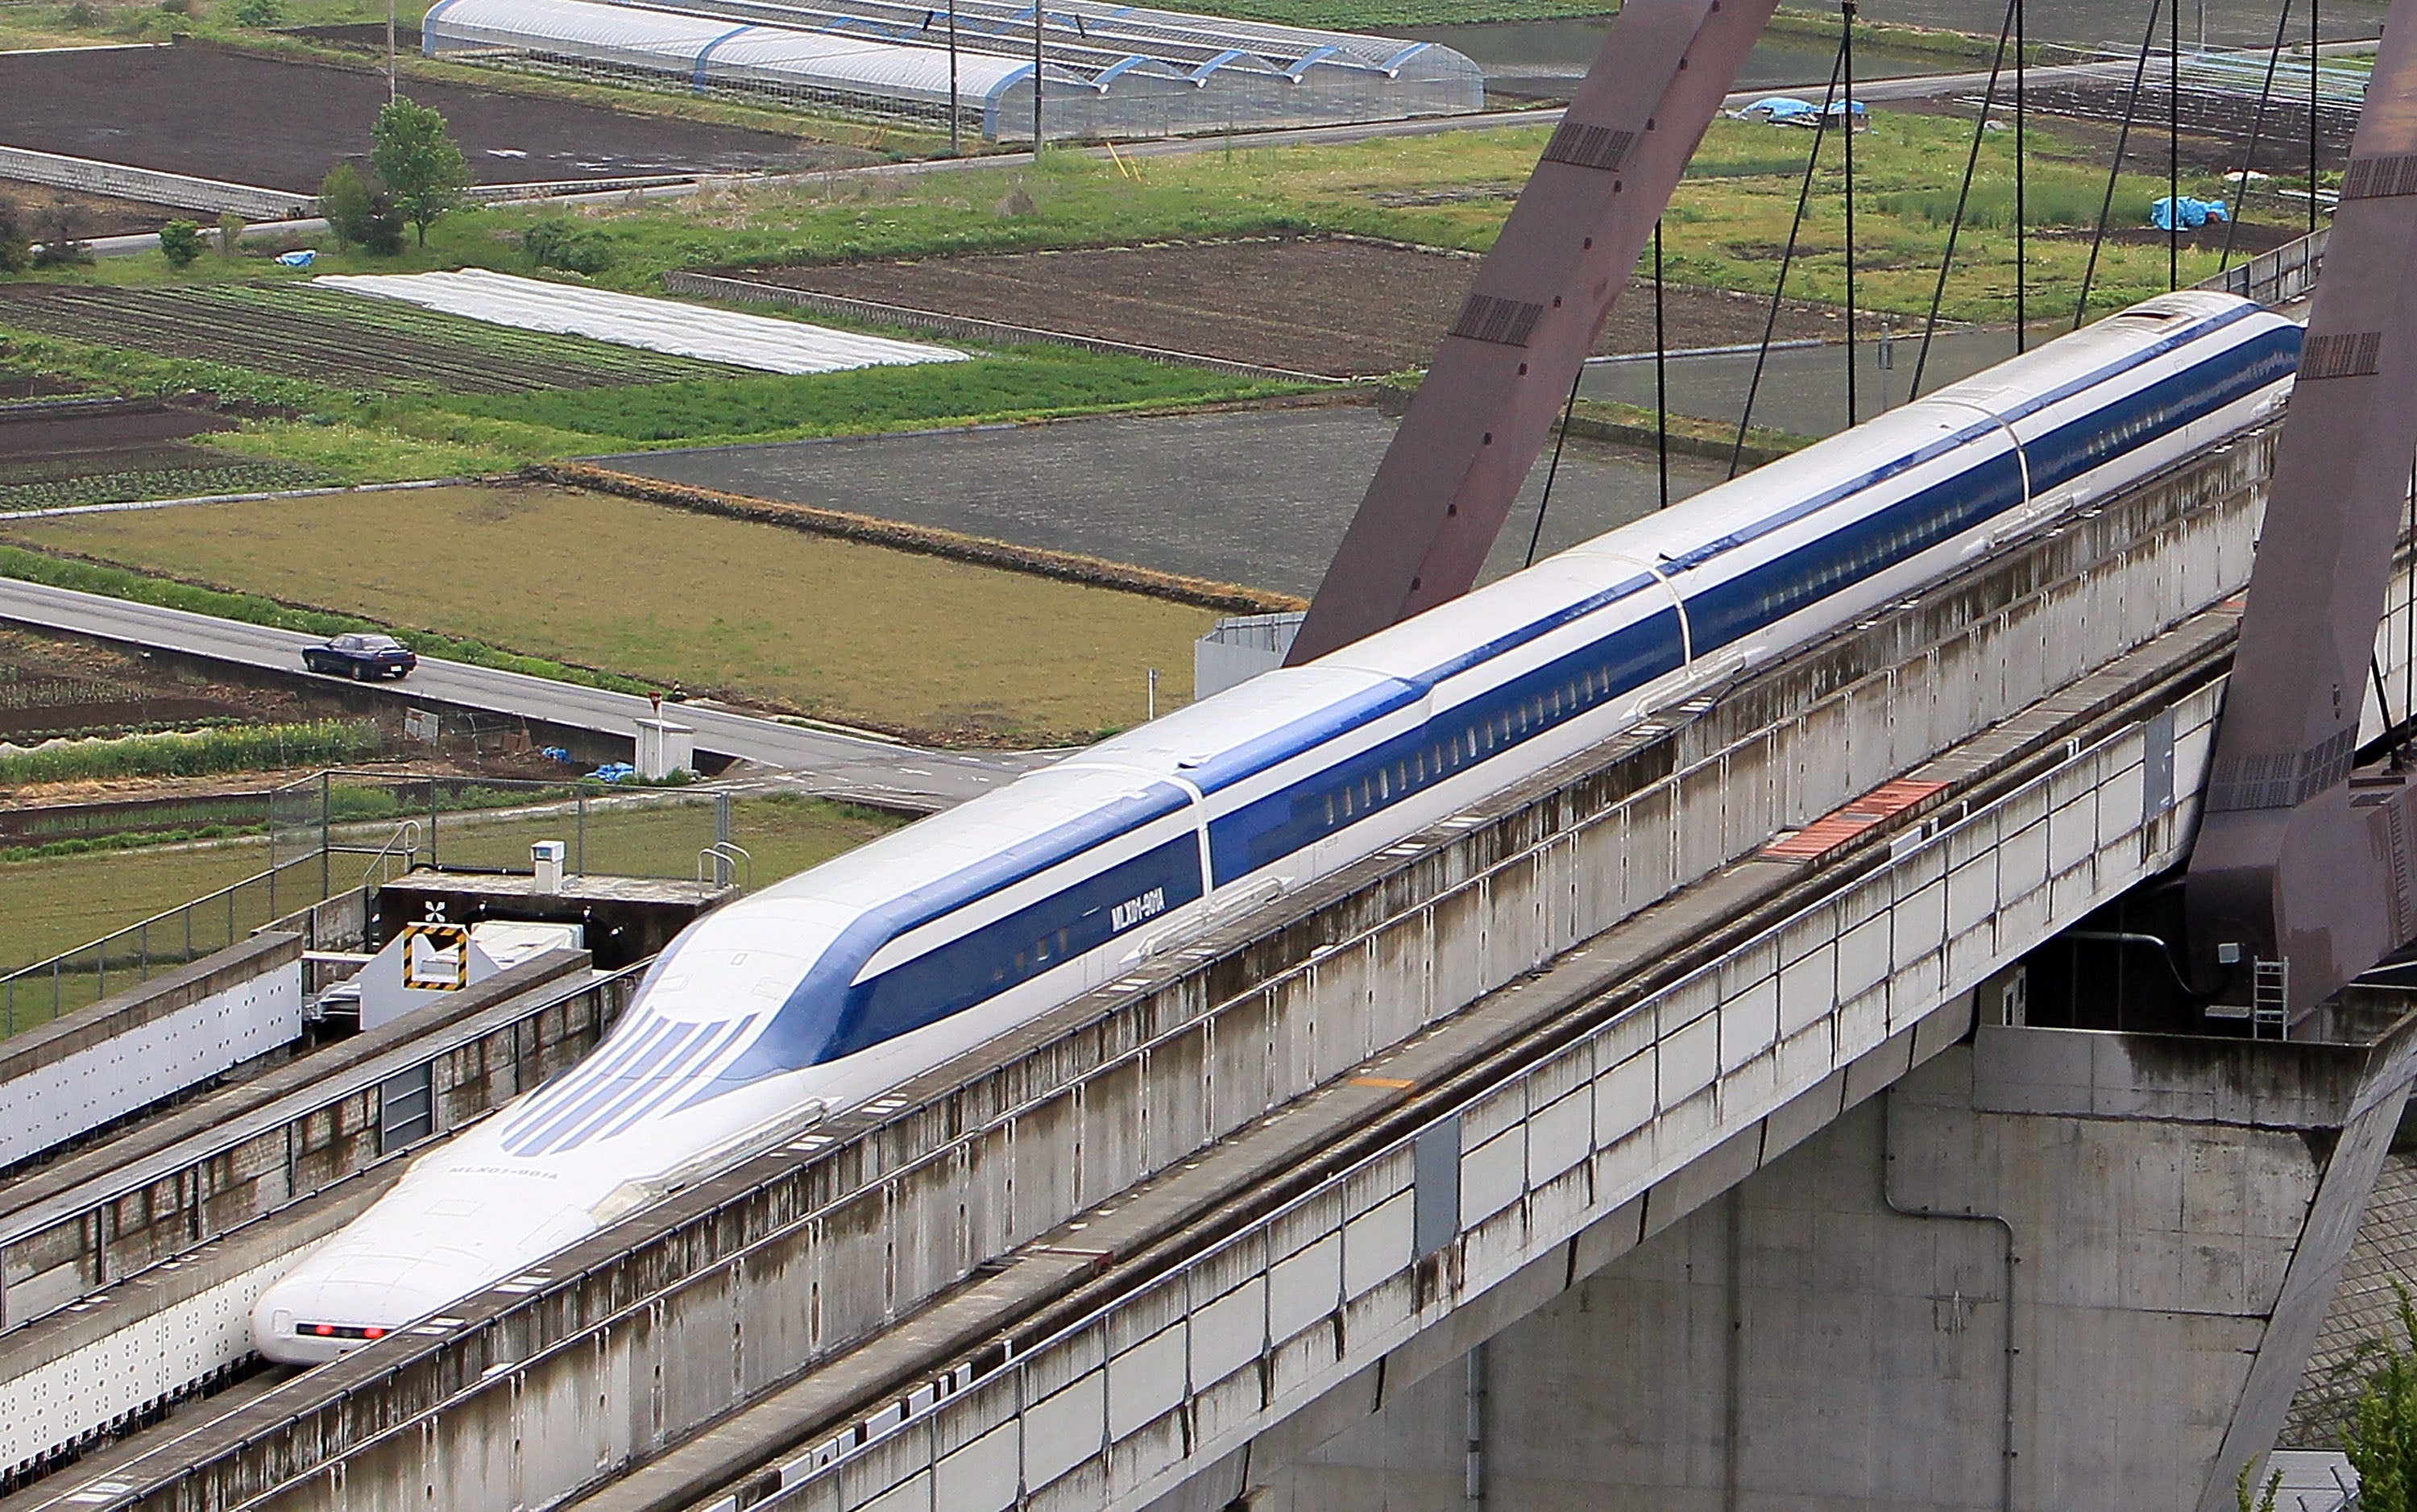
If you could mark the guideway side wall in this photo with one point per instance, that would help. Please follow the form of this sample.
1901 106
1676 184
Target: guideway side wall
2043 1271
1220 1373
626 1343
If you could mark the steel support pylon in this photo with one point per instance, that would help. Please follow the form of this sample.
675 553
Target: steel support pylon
2301 865
1504 371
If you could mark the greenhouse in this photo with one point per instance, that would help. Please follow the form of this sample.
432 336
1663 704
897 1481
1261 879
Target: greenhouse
1105 71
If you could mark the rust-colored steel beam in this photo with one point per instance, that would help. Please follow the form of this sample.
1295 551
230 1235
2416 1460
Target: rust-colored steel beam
1504 371
2302 875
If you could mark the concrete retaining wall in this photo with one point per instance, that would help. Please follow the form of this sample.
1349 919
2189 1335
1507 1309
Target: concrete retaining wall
208 195
2045 1271
150 1043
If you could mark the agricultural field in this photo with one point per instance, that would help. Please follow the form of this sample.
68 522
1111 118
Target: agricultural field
56 453
335 339
930 648
1725 228
1337 307
281 123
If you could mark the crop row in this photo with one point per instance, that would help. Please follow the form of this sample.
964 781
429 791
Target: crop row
306 334
193 482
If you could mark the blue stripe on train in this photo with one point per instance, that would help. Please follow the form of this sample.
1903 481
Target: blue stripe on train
825 1018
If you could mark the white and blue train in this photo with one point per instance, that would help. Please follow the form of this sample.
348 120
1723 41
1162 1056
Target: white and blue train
823 991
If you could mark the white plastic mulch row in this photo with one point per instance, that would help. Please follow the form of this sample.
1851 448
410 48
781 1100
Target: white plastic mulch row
634 320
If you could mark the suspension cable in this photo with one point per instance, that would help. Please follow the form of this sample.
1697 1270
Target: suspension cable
2257 127
1661 380
1787 260
1555 470
1847 120
1955 227
2115 170
2022 217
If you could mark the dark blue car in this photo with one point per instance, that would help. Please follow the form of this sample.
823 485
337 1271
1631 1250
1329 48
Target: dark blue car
360 655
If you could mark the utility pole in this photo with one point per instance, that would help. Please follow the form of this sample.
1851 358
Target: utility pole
390 52
1037 19
956 149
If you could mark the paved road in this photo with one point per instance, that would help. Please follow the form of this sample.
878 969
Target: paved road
836 764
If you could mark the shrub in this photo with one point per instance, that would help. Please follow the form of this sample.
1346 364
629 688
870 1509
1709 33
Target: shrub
81 15
63 252
564 244
257 13
230 234
175 8
359 212
15 248
180 242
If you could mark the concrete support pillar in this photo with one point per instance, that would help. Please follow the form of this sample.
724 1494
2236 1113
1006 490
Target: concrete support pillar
2051 1269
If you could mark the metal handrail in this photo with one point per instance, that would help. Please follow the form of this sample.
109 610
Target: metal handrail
408 833
726 856
57 967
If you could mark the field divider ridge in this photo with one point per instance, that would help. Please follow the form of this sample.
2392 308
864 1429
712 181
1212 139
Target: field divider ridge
930 541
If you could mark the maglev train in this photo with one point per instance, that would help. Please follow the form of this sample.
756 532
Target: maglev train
824 991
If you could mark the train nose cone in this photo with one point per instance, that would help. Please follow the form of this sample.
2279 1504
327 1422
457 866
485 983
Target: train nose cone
314 1316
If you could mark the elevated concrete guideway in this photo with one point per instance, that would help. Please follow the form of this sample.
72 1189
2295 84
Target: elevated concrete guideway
1166 1241
840 765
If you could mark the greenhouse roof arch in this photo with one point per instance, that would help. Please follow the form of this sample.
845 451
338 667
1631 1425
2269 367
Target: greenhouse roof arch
1109 72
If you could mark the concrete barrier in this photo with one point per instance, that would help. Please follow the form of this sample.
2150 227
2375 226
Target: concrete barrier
208 196
98 1064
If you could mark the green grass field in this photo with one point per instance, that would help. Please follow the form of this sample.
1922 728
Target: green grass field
1725 226
845 631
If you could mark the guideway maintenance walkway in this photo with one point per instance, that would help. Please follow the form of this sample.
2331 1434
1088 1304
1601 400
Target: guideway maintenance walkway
1088 1263
838 765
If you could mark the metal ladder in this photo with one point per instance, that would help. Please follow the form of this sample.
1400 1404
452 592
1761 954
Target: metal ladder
2270 999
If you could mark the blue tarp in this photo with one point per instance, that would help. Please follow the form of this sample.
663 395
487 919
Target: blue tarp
2194 213
614 771
300 259
1786 109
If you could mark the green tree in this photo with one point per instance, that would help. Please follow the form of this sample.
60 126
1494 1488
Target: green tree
180 242
2381 1436
419 163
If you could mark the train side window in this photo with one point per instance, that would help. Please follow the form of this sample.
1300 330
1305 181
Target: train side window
1330 810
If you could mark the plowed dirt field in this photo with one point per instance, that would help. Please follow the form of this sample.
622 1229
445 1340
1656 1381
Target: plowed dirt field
282 123
1334 306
